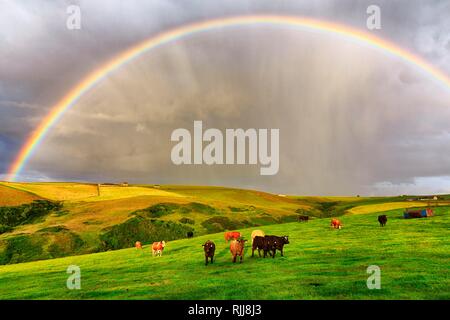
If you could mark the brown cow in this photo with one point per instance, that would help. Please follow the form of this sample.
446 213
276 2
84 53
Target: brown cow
231 235
138 245
237 249
382 219
158 247
209 247
335 223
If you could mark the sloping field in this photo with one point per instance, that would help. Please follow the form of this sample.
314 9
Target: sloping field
385 207
319 263
117 192
13 197
66 191
60 191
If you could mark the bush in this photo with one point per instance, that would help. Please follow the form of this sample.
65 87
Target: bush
22 248
159 210
141 229
237 209
290 218
4 229
27 213
217 224
163 209
202 208
187 221
54 229
47 244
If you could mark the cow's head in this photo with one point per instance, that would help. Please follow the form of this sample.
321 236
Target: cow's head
286 239
241 241
163 244
208 246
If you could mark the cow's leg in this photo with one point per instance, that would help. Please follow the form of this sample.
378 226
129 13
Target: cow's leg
206 260
242 257
259 252
253 252
281 252
274 252
234 258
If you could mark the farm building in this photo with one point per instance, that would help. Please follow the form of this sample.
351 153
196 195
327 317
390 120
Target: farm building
423 213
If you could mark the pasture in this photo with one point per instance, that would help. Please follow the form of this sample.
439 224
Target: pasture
12 197
319 263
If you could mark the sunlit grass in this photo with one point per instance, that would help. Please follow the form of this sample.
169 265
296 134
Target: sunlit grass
385 207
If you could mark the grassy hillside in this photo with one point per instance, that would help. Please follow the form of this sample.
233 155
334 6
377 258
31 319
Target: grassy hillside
82 218
91 221
319 263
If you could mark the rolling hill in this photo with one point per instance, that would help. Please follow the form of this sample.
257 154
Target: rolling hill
41 221
319 263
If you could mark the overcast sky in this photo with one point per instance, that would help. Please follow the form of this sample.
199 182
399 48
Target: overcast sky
352 120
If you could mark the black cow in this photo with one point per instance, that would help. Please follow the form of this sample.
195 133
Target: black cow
190 234
261 243
277 243
303 218
209 247
382 219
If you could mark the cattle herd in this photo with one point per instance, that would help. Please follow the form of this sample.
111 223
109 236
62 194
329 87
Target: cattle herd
269 244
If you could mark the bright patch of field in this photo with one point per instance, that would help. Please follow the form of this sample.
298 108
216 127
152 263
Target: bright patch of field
330 198
319 263
57 190
117 192
226 197
12 197
66 191
385 207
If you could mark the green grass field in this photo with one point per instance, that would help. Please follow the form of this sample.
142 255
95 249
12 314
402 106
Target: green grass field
319 263
45 227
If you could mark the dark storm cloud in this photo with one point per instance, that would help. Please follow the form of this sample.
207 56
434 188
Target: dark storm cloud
383 113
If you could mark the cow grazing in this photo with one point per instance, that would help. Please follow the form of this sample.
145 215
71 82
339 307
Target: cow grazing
262 243
209 247
138 245
237 248
277 243
303 218
231 235
255 233
158 248
382 219
190 234
336 224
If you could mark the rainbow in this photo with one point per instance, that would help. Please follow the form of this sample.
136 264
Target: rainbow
92 79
